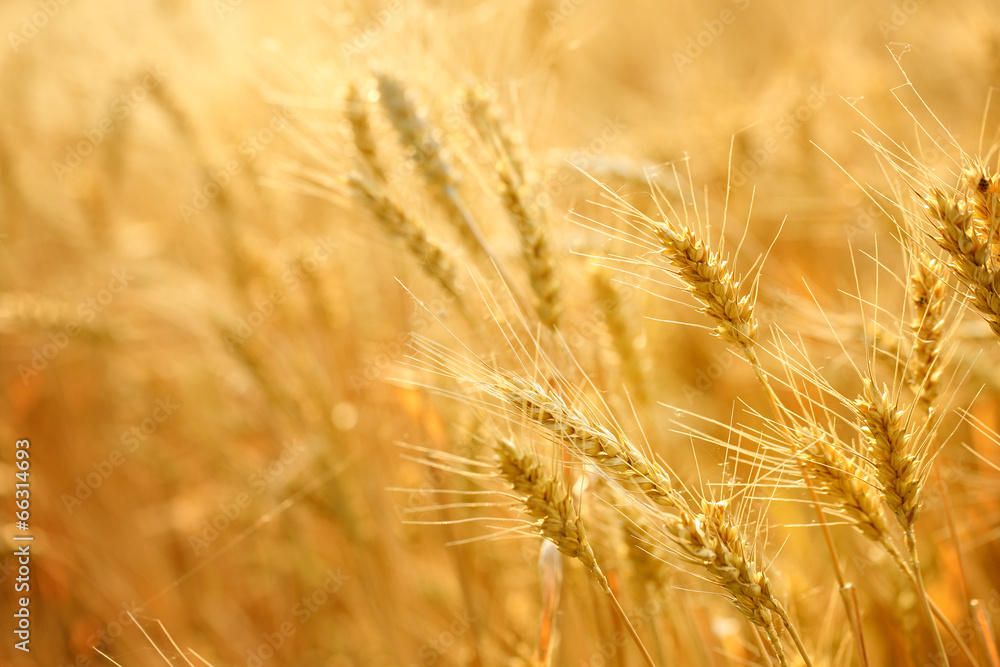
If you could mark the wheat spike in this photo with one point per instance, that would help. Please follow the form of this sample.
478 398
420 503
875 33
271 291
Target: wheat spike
896 467
546 500
520 199
927 296
434 259
972 260
711 282
364 141
710 540
613 454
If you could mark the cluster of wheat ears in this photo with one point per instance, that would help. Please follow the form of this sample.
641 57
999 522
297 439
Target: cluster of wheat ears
548 439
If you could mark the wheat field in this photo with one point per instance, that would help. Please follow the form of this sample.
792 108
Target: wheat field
557 332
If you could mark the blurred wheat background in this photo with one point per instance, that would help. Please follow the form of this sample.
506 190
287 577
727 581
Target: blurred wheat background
215 294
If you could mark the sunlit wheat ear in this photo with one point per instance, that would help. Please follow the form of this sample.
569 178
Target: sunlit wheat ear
928 295
983 187
712 283
545 499
433 258
972 260
520 198
364 140
845 482
613 454
712 541
897 466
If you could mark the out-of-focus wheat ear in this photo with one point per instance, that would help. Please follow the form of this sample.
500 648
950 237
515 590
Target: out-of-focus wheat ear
623 337
613 454
896 466
529 220
419 136
520 199
361 129
972 259
928 294
434 259
712 283
647 556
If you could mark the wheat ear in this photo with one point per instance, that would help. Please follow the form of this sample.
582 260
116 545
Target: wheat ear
557 518
434 259
613 454
710 540
364 140
897 469
520 199
837 475
432 158
972 260
896 466
927 296
711 282
622 334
